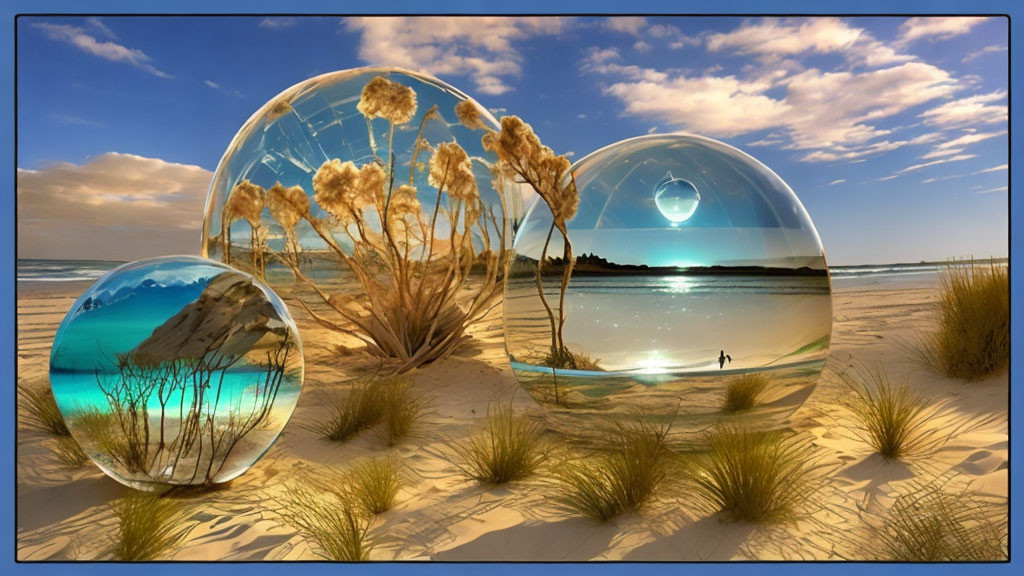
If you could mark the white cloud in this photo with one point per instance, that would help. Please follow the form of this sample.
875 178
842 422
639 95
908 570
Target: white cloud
773 38
937 27
968 139
834 182
970 111
115 206
277 23
103 28
940 179
641 46
956 158
996 189
831 111
986 50
940 152
626 24
480 47
212 84
111 51
999 168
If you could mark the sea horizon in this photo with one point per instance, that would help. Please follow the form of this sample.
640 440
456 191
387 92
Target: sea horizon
80 270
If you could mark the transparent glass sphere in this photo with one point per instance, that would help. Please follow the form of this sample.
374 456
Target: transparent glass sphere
334 118
696 268
176 371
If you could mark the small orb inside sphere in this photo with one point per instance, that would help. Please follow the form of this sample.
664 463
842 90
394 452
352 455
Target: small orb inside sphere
176 371
676 198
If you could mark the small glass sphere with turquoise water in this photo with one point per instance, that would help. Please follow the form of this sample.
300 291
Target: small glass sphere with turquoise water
176 371
697 291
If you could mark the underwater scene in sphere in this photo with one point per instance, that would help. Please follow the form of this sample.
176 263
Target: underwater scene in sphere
696 290
176 371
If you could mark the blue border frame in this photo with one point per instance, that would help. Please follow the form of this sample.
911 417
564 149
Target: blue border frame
739 7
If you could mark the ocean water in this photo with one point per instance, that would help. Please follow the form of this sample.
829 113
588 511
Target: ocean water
34 270
649 325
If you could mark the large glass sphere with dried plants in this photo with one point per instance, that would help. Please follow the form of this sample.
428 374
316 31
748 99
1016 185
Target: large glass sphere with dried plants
674 275
367 198
176 371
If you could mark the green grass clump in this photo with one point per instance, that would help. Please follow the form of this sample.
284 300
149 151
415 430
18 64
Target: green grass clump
388 402
41 407
509 448
69 454
622 478
332 518
147 526
973 339
928 524
743 391
893 420
375 483
752 475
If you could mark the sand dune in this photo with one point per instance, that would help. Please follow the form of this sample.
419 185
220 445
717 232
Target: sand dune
64 514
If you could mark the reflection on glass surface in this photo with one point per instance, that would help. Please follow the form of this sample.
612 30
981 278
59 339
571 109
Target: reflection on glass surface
696 264
176 371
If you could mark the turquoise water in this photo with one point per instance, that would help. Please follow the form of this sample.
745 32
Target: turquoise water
187 340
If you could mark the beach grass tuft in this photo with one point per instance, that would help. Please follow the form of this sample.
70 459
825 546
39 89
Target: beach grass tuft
566 359
147 526
622 478
509 448
41 407
402 410
753 475
928 524
328 514
893 420
69 454
973 339
375 483
387 402
744 391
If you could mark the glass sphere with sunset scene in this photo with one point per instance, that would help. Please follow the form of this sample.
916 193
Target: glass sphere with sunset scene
694 267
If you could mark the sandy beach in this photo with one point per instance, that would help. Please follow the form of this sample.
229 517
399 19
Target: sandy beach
439 515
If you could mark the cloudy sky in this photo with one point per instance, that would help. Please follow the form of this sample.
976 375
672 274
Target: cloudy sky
892 131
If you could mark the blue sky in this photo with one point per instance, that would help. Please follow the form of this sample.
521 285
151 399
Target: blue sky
892 131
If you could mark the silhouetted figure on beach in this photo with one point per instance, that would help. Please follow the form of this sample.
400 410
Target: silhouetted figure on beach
722 357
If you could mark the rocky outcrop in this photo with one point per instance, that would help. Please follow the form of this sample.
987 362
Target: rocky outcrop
224 323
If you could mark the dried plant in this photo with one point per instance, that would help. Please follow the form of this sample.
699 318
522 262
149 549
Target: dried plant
415 298
893 420
375 484
753 475
743 392
926 523
973 339
622 478
41 407
509 448
521 156
147 526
